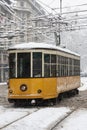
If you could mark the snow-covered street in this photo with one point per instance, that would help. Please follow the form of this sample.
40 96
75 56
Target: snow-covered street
10 115
59 117
76 121
42 119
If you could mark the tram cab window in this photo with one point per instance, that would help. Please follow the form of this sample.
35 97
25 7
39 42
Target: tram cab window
12 65
37 64
23 65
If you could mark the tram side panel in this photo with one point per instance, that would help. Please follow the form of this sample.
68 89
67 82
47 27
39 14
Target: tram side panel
61 84
73 82
50 88
65 84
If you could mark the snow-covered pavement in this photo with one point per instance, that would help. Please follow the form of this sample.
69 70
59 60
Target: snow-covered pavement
76 121
83 84
43 119
9 115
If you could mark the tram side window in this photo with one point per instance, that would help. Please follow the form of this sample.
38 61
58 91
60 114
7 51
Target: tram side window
62 64
37 64
57 67
12 65
23 65
70 70
47 65
53 65
66 68
76 67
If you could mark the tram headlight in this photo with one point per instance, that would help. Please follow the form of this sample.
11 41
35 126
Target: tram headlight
39 90
23 87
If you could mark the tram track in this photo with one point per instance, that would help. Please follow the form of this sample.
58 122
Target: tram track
20 118
66 116
53 128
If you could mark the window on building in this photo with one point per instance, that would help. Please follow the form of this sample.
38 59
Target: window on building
22 3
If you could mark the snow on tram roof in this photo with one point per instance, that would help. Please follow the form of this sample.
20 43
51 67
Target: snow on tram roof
34 45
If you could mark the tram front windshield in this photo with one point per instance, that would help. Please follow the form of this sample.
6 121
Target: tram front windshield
12 65
19 67
23 65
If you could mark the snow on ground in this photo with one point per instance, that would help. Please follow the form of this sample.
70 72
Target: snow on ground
76 121
42 120
4 83
9 115
83 84
46 118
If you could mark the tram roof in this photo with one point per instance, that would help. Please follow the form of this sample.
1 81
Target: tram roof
35 45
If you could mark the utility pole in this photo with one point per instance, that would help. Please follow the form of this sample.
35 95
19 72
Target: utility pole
60 23
58 36
60 7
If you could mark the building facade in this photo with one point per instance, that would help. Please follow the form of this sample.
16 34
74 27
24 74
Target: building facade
5 16
15 24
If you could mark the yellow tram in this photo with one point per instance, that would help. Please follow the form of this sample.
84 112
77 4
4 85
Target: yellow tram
39 71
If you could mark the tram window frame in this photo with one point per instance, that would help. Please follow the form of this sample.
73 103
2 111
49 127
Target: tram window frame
24 65
76 67
51 62
46 58
63 66
53 65
66 66
70 63
37 64
12 65
57 66
72 67
47 66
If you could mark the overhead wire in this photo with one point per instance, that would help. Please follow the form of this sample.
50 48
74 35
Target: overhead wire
74 19
46 5
78 11
51 2
72 6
